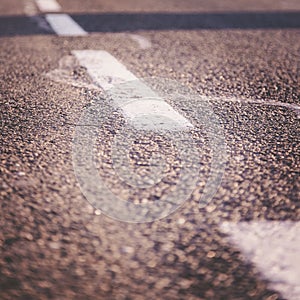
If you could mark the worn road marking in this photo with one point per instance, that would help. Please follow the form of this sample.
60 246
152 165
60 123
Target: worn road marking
104 69
139 103
30 8
64 25
31 11
274 247
65 74
48 5
143 42
291 106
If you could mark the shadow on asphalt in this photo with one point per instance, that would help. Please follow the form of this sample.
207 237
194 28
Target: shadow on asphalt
120 22
23 25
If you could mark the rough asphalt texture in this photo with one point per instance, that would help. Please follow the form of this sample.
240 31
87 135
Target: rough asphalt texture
55 245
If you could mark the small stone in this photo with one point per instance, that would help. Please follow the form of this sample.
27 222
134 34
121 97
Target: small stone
167 246
54 245
45 284
151 264
211 208
127 249
222 277
211 254
41 242
272 297
97 212
28 236
4 185
185 283
80 272
162 283
180 221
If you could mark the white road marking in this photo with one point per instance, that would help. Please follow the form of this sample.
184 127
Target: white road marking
104 69
31 11
30 8
64 25
274 247
143 42
65 74
292 106
141 105
48 5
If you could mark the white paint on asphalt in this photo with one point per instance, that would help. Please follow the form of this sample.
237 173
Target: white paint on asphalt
143 42
64 25
48 5
140 105
30 8
31 11
65 74
274 247
292 106
147 113
104 69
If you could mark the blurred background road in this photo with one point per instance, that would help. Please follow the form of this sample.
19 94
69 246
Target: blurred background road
242 57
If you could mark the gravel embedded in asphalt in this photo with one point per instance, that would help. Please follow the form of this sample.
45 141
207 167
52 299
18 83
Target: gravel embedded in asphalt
55 245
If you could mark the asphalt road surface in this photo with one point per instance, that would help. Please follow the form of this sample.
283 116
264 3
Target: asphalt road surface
227 72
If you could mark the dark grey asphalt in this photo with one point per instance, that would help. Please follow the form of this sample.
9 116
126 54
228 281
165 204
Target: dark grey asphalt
55 245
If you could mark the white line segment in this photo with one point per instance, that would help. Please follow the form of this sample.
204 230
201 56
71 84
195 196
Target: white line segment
64 25
105 70
274 247
30 8
139 103
48 5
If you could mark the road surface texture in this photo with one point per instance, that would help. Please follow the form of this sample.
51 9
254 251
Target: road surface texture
239 57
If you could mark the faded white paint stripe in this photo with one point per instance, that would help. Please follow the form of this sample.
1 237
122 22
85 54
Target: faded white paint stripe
143 42
292 106
30 8
274 247
48 5
64 25
139 103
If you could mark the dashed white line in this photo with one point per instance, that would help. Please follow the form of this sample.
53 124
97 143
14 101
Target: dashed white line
139 103
64 25
105 70
31 11
48 5
30 8
274 247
